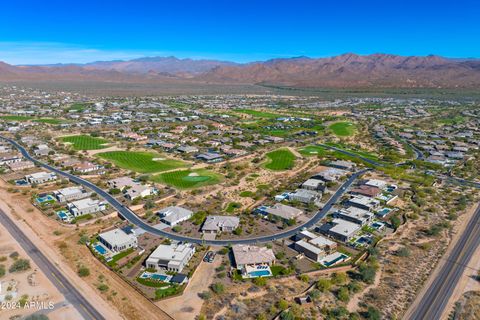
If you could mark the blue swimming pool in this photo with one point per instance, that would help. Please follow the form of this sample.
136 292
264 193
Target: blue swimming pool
335 261
46 198
259 273
100 249
384 212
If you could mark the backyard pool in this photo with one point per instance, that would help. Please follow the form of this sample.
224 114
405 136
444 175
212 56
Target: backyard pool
45 198
383 212
156 276
259 273
21 182
100 249
63 215
334 258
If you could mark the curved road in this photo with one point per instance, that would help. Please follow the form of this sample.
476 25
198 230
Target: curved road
134 219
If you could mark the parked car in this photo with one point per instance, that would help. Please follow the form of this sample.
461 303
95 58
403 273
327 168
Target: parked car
209 257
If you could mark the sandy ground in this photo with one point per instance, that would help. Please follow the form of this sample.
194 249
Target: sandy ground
15 211
458 229
467 282
188 305
39 229
352 305
42 289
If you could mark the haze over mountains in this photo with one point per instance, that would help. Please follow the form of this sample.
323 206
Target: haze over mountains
343 71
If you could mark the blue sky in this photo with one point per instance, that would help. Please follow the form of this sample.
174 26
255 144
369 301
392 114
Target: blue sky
63 31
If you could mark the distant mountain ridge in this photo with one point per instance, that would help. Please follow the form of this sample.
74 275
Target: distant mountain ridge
343 71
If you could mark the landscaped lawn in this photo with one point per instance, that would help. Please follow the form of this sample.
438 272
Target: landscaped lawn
28 118
187 179
50 121
343 128
259 114
312 151
281 159
16 118
142 162
85 142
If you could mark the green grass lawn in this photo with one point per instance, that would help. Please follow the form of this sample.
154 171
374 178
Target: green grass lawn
343 128
281 159
142 162
28 118
232 206
259 114
187 179
16 118
85 142
312 151
78 107
50 121
452 120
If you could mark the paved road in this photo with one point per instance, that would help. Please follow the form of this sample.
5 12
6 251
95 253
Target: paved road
68 290
134 219
435 299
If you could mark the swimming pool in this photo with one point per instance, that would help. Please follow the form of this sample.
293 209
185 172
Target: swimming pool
100 249
45 198
339 258
63 215
156 276
259 273
383 212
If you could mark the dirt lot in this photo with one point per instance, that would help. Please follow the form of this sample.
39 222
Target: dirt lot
119 300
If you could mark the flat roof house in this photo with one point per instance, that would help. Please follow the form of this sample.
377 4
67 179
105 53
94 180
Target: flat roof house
214 224
355 215
71 194
209 157
363 202
40 177
304 196
315 248
173 257
340 229
376 183
246 255
342 164
85 206
118 240
283 211
314 185
173 215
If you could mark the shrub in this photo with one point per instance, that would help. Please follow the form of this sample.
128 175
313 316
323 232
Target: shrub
20 265
102 287
403 252
343 294
3 270
83 271
14 255
373 313
205 295
260 281
218 288
282 304
324 285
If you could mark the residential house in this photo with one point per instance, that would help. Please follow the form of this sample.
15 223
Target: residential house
304 196
172 257
40 177
139 191
118 240
121 183
283 211
173 215
85 206
363 202
20 165
355 215
71 194
252 256
214 224
340 229
315 248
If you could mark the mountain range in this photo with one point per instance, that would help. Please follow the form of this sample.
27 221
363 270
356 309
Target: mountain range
343 71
